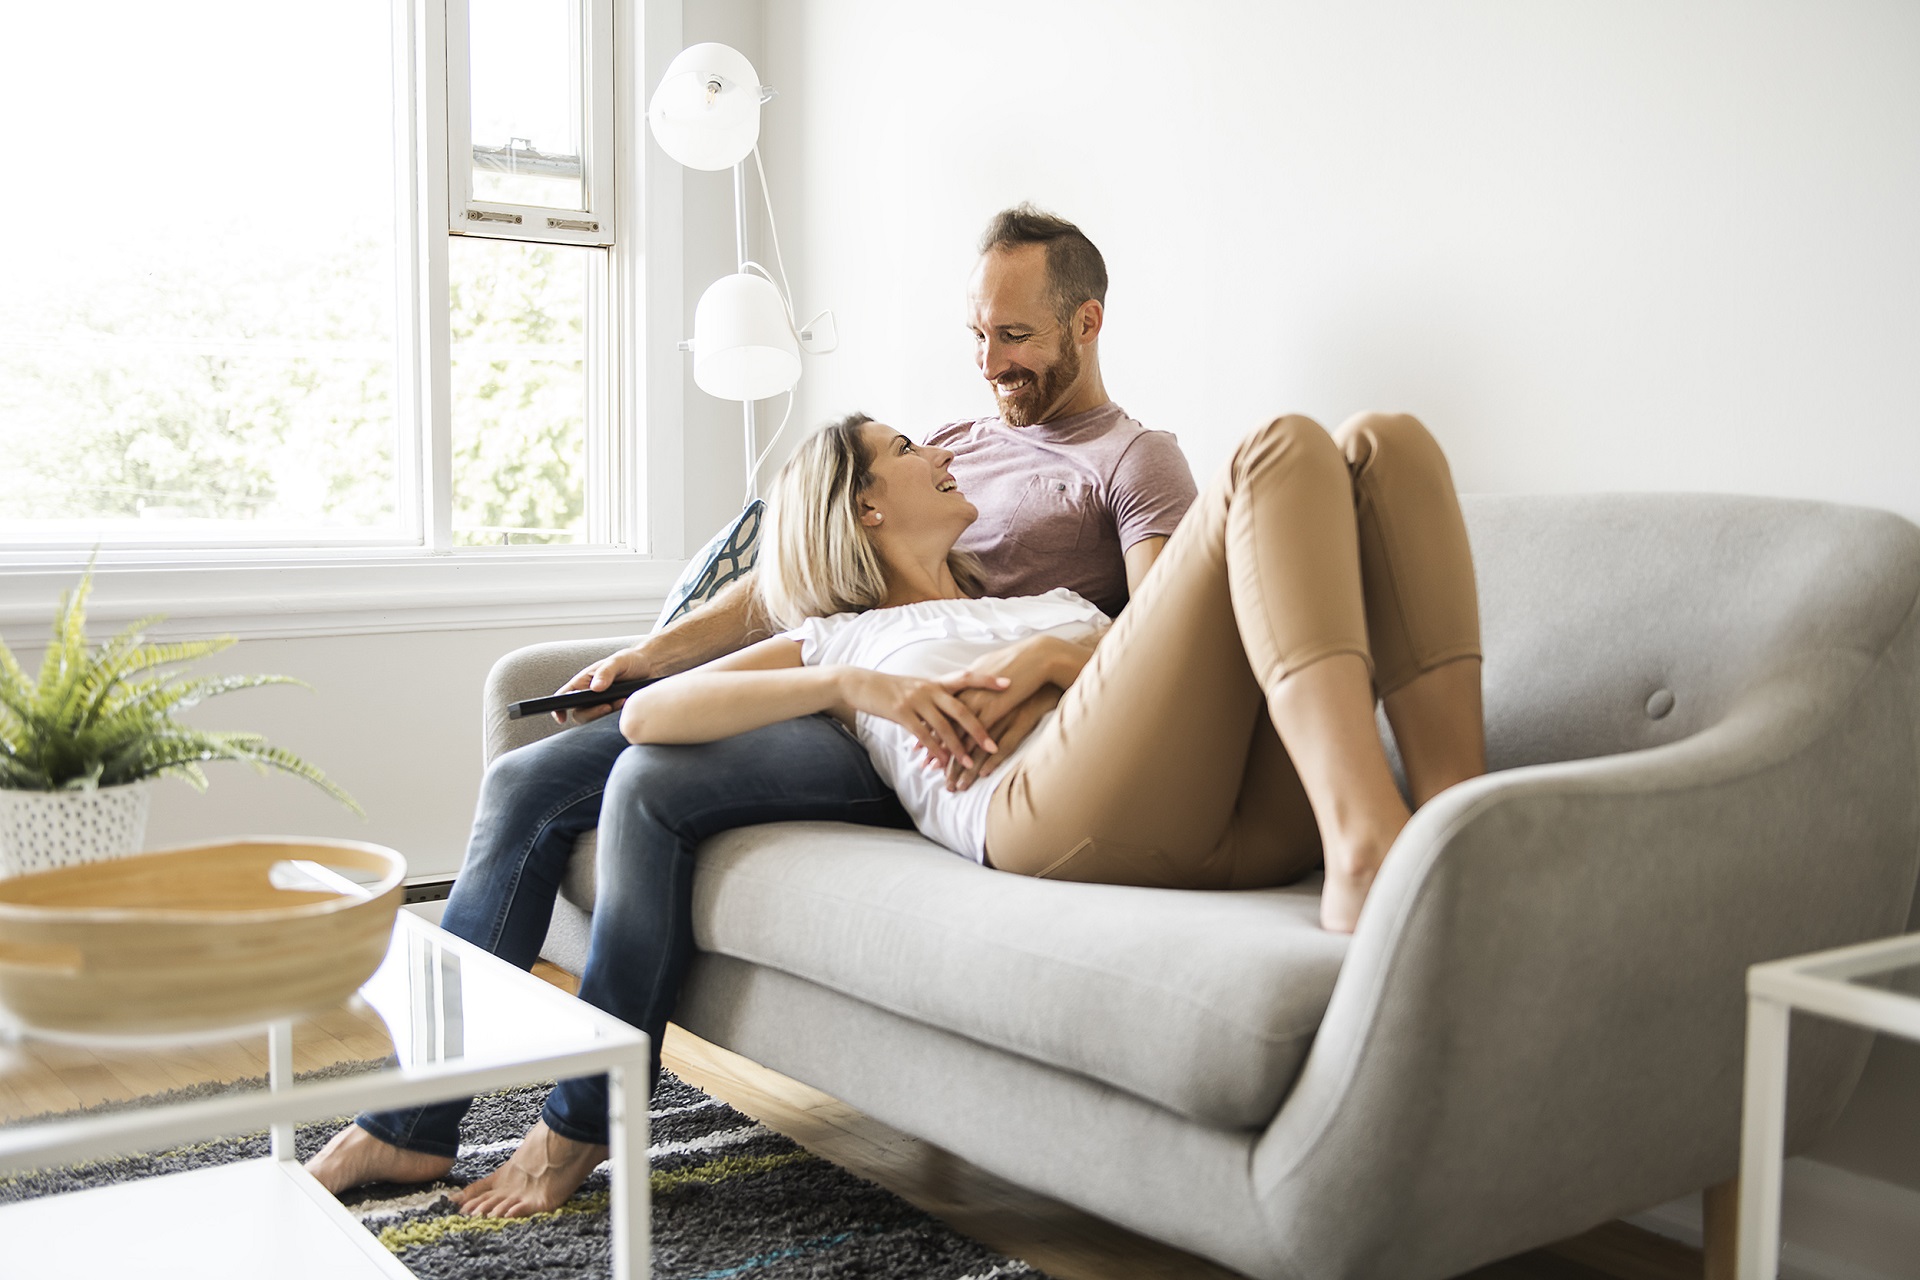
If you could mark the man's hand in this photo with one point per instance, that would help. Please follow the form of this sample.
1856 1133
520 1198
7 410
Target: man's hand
727 623
1007 734
634 663
724 624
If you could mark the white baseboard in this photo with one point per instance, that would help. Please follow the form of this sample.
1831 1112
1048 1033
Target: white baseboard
1839 1225
429 911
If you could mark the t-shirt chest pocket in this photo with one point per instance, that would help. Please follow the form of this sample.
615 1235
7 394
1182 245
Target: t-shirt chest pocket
1054 514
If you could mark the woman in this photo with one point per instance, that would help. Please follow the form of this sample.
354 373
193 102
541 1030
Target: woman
1220 735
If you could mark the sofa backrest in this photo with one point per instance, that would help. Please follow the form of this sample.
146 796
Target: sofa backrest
1614 622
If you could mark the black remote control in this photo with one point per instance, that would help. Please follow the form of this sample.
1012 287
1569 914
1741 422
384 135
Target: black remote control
578 698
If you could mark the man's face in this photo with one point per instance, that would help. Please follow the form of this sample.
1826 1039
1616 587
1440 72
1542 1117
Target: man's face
1022 349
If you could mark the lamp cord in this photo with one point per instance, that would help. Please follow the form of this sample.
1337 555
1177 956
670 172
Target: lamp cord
751 265
762 459
786 299
766 198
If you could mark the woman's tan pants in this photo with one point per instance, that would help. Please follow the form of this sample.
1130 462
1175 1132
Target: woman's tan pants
1161 766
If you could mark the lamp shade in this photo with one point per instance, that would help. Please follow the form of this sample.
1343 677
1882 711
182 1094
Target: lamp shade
706 112
744 346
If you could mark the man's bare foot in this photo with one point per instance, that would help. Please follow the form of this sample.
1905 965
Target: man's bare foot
354 1157
538 1177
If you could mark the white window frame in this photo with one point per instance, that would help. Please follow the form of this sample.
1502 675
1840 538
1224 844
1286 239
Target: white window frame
426 584
593 225
435 162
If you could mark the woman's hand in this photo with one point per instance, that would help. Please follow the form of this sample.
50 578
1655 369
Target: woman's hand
928 709
1027 666
1034 673
1010 732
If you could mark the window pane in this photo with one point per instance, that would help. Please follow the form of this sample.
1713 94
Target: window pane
520 320
526 71
197 329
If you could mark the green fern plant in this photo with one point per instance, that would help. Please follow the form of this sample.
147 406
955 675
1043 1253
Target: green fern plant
105 717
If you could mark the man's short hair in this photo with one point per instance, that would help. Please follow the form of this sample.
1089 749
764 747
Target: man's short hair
1076 272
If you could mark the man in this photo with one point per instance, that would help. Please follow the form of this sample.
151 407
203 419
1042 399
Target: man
1071 493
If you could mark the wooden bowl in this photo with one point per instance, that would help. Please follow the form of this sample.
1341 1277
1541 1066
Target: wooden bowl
193 939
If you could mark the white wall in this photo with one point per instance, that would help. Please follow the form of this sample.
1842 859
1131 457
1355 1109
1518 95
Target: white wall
1633 245
1598 246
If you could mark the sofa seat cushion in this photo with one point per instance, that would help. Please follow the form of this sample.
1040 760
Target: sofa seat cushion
1202 1002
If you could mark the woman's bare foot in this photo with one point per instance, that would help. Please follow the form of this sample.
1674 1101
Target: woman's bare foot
1324 714
1350 875
538 1177
354 1157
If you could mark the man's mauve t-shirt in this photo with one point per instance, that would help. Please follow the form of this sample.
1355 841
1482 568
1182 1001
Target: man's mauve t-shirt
1061 501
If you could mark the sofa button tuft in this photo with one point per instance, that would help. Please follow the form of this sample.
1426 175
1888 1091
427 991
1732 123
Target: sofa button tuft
1659 704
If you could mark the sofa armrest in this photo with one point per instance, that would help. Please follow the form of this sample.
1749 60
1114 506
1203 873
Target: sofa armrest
1540 1023
533 672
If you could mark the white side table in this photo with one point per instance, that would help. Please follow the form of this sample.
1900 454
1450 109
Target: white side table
1841 985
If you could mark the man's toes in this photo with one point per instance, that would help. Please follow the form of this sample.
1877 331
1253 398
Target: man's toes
478 1189
497 1205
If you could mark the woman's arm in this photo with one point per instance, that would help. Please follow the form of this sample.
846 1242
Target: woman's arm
760 685
766 683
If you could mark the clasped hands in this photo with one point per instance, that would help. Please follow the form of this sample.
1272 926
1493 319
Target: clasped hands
1022 683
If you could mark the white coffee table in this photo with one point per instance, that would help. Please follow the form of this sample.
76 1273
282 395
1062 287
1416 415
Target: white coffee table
1862 985
461 1022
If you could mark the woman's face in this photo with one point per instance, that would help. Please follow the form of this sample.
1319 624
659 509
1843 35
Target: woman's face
912 491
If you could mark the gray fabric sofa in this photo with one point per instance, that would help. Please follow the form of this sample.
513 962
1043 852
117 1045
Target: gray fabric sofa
1702 717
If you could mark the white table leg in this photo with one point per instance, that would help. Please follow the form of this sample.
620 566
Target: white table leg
1763 1132
630 1206
279 1077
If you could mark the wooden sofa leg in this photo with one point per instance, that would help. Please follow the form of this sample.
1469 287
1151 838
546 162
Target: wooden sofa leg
1720 1228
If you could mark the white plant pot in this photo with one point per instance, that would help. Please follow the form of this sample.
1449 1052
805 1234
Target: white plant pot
42 830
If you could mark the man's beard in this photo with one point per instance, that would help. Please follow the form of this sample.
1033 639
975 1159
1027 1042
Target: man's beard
1024 408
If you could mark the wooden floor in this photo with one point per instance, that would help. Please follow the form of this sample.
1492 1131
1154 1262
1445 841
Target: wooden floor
1061 1241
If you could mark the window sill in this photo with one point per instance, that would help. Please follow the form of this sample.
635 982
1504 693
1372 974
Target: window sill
348 594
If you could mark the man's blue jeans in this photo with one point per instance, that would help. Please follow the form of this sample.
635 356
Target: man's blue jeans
653 806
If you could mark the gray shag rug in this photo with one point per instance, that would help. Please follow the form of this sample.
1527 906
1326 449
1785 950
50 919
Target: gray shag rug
731 1198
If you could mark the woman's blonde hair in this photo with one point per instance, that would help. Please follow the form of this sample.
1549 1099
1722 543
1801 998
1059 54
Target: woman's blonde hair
815 556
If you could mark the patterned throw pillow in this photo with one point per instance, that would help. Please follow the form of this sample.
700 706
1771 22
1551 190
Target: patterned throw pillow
729 554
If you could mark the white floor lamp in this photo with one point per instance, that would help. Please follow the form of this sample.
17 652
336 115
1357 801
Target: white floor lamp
746 345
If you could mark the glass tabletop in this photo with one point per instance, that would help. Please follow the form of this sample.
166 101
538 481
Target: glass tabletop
435 1003
1903 979
1868 984
1884 964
